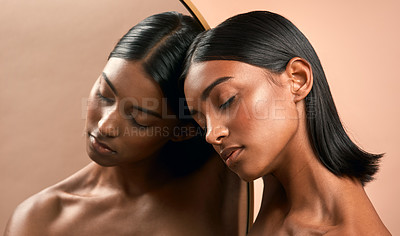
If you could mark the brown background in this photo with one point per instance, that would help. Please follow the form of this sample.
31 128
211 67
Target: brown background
358 44
52 51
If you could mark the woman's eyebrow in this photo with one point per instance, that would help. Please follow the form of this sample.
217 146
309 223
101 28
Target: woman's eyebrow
109 83
136 107
206 92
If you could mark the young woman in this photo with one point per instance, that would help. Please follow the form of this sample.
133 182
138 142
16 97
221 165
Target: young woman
256 85
150 169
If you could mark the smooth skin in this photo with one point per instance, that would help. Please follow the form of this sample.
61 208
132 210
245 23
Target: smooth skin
130 192
256 120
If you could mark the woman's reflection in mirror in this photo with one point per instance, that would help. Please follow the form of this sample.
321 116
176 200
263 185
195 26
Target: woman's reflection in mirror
149 174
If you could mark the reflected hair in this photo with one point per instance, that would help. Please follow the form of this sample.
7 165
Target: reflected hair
268 40
160 43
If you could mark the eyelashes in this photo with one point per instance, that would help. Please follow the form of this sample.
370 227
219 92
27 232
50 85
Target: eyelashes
223 106
110 101
102 98
134 121
227 103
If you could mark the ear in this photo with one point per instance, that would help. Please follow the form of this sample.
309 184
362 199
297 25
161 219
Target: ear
183 131
301 78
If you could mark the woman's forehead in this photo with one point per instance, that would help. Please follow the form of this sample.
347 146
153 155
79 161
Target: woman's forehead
202 74
130 76
132 83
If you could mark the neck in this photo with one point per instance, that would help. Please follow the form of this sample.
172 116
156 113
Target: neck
132 179
302 194
310 190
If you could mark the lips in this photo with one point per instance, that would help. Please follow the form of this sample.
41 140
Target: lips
230 154
100 147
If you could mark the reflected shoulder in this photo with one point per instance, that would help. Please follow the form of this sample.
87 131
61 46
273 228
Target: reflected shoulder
34 215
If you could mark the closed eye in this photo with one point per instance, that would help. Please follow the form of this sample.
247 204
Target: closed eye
105 99
227 103
134 121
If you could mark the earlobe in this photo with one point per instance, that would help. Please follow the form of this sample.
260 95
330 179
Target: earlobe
301 82
183 131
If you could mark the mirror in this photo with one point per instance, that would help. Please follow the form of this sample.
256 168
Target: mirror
51 54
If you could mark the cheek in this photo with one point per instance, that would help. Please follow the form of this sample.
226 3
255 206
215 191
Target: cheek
277 124
265 130
273 113
145 140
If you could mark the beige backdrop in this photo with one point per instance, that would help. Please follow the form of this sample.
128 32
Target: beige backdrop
358 44
52 51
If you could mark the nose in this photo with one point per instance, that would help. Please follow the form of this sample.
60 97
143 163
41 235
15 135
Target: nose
216 133
109 123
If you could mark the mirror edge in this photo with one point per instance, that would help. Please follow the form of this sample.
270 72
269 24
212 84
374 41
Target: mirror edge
250 205
195 13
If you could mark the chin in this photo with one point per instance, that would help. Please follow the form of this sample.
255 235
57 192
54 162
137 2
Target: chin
102 162
247 175
248 178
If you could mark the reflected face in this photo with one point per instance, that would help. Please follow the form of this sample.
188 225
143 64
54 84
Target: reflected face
249 119
127 116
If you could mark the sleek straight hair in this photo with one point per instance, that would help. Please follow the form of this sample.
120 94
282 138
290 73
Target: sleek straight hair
268 40
160 43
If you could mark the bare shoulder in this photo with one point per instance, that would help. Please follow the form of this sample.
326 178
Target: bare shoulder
34 215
